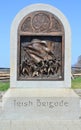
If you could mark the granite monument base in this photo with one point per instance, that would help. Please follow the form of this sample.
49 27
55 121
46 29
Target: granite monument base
44 109
40 124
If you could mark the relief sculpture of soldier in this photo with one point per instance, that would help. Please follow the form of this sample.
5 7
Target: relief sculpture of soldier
40 60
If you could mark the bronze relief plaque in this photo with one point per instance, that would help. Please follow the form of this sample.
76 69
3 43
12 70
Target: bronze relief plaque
40 47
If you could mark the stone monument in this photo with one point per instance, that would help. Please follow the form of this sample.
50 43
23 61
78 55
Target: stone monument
40 94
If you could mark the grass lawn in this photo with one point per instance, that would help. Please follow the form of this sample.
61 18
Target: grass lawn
4 86
76 84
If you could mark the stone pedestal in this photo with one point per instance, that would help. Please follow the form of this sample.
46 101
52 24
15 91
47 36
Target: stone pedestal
45 109
40 124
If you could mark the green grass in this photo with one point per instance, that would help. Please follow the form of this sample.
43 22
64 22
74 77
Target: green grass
76 83
4 86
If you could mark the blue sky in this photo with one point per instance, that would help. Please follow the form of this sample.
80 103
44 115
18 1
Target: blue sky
8 10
